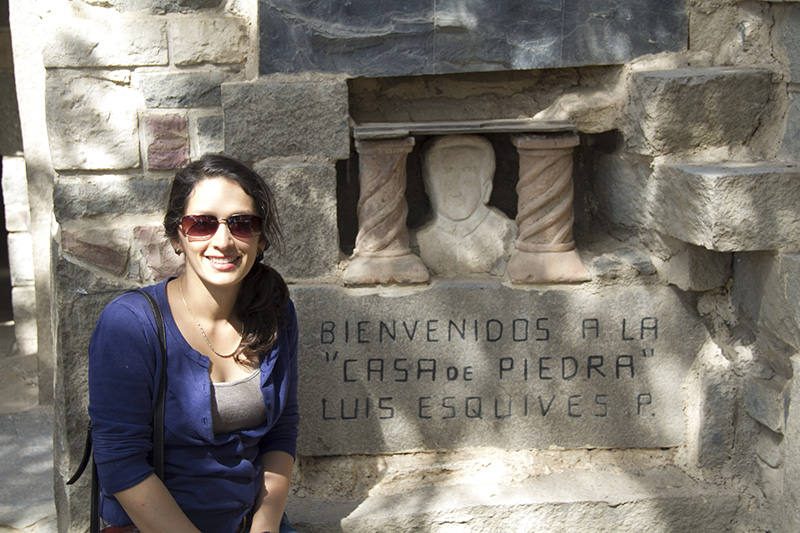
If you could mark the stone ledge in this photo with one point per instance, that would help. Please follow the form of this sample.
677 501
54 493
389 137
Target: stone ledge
729 207
663 500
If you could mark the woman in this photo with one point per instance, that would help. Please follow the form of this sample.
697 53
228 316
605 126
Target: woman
231 404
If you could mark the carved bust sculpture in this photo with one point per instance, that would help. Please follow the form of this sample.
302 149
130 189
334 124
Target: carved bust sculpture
466 235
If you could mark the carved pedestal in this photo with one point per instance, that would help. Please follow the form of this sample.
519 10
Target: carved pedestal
545 251
382 253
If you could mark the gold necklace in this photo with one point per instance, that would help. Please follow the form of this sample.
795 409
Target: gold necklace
224 356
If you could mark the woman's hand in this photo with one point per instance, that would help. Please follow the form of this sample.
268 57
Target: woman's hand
271 501
153 509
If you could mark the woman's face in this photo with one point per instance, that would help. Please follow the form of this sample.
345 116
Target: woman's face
221 260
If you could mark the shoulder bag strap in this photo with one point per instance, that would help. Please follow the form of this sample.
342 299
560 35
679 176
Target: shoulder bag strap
161 390
158 411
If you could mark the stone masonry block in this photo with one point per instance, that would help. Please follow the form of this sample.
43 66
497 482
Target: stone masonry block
790 145
167 141
76 198
15 194
767 401
689 109
207 134
92 120
789 35
280 116
182 89
24 303
305 195
624 189
656 501
765 289
791 489
18 219
196 40
106 42
15 181
157 252
160 7
104 248
11 132
20 258
694 268
729 207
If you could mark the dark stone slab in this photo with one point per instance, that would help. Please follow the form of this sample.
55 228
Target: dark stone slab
388 38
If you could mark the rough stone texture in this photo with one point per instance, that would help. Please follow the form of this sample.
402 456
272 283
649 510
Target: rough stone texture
182 89
167 141
694 268
623 189
23 300
104 248
765 289
790 497
107 42
80 297
711 410
10 133
207 134
384 38
92 120
219 39
15 194
157 7
478 364
662 501
159 257
689 109
789 28
767 402
108 195
729 207
305 194
790 146
286 117
20 252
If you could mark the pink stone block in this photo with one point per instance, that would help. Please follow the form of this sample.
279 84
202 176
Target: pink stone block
167 141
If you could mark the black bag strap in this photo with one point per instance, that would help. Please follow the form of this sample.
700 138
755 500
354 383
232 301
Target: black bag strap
158 412
161 390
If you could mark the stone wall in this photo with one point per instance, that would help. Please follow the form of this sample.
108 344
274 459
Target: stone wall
686 183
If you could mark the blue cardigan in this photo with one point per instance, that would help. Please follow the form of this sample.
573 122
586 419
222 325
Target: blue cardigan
214 478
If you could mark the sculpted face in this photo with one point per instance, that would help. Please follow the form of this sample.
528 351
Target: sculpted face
458 172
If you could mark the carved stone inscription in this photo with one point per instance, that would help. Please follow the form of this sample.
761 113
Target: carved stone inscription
456 366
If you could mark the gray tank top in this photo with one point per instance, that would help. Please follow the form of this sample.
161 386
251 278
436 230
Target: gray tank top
237 404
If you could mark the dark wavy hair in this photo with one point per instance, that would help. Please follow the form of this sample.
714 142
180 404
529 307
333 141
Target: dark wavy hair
263 296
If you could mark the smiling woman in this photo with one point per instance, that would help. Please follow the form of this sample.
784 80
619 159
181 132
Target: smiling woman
231 408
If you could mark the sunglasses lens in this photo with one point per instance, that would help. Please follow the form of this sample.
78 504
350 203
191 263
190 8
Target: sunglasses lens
201 226
244 226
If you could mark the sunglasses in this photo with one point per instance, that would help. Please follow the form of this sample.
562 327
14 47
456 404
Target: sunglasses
205 226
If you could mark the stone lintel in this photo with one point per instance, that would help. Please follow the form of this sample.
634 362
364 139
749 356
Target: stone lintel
376 131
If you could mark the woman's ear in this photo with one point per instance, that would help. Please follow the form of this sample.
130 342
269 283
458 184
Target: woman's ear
176 245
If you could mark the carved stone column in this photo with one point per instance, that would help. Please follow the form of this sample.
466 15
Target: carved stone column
545 251
382 253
